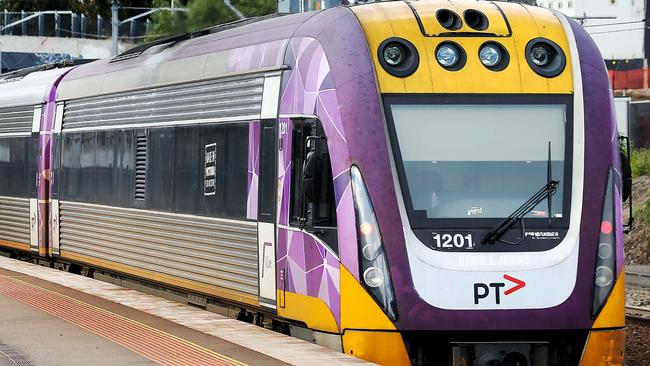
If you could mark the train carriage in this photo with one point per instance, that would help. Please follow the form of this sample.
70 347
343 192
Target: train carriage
26 120
424 182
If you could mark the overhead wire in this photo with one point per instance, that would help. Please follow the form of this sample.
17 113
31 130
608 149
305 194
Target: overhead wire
611 24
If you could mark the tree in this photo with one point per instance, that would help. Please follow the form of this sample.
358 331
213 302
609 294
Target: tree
202 14
165 23
206 13
256 7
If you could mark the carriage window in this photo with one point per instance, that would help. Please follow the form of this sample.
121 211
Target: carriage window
312 190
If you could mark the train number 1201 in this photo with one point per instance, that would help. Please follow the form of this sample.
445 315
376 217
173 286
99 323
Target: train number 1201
458 241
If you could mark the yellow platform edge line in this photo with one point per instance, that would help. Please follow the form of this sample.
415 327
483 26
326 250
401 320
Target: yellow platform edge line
134 322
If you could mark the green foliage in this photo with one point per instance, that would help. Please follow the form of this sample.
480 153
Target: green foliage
642 211
202 14
166 24
90 8
206 13
640 161
256 8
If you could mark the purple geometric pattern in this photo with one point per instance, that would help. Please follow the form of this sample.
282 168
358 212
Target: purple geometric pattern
253 169
256 56
311 269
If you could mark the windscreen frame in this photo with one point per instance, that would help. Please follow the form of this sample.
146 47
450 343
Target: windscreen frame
422 222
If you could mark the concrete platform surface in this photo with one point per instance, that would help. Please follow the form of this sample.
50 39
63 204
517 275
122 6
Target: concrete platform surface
50 317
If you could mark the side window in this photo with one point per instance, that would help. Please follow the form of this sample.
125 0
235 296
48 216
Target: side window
313 205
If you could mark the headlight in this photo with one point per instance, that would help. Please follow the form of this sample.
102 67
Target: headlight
372 261
604 275
545 57
450 56
398 57
373 277
494 56
539 55
394 54
490 55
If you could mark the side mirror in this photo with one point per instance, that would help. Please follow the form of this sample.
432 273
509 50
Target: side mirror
626 172
308 173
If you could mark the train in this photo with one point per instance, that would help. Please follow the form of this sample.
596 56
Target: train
408 182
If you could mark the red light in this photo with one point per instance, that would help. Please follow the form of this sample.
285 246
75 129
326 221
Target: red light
606 227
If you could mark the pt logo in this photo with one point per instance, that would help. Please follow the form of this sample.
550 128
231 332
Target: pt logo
483 290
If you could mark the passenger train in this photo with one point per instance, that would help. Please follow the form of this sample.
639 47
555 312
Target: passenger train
409 182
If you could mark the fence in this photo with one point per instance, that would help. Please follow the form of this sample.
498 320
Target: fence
66 24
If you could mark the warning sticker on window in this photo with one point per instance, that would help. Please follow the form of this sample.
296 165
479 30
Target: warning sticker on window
210 173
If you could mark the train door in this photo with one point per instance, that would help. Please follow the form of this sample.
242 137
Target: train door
267 212
307 234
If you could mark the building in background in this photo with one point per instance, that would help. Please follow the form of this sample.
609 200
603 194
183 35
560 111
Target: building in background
620 28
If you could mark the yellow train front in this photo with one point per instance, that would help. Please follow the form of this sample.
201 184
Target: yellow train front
428 182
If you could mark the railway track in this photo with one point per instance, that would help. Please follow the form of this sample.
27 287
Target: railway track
638 313
638 276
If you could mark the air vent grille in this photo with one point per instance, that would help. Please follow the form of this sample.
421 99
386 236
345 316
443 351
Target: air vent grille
232 98
141 168
16 119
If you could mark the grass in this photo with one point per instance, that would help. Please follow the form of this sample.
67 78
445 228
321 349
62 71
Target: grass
640 161
642 211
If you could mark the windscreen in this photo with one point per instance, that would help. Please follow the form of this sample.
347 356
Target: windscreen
480 161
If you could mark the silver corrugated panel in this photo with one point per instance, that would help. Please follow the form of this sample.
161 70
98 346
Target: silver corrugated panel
212 251
16 119
14 220
206 100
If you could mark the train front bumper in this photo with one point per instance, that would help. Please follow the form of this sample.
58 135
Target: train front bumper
604 348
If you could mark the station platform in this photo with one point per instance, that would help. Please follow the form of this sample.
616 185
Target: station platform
51 317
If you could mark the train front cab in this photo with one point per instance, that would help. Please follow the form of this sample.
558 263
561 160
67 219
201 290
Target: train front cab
546 291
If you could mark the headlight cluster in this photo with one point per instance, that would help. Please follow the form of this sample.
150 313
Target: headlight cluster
373 264
400 58
606 258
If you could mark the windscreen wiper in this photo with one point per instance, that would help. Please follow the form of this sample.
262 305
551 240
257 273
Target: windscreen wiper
495 233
